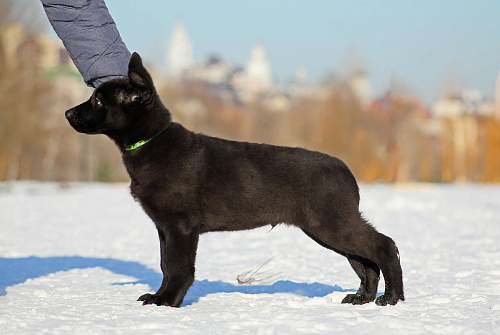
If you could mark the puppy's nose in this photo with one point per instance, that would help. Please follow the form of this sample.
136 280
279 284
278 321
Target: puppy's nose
69 114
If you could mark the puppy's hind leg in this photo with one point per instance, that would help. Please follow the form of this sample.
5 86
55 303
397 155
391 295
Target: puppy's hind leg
367 243
367 251
387 257
369 273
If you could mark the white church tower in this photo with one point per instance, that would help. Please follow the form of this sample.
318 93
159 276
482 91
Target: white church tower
258 70
361 86
179 57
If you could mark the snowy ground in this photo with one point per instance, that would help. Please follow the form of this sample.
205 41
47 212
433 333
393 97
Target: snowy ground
73 260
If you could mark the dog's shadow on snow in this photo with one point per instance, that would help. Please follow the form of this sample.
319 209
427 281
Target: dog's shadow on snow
17 270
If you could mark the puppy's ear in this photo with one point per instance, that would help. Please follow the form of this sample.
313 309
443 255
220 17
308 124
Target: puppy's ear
137 73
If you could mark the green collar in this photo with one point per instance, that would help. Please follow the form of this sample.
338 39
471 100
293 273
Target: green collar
142 142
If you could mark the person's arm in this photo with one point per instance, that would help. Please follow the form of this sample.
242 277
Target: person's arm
91 38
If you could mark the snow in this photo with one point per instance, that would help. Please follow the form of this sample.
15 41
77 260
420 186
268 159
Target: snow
74 258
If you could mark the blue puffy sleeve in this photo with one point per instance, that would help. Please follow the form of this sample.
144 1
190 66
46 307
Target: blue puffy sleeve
91 38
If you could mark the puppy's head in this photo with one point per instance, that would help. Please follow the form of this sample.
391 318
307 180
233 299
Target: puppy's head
115 105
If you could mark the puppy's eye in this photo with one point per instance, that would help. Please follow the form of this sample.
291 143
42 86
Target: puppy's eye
98 102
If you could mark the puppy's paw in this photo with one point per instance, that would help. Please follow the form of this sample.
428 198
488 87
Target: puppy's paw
387 299
159 300
356 299
149 299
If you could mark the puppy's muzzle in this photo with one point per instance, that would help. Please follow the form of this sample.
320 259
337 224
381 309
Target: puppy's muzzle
75 121
69 114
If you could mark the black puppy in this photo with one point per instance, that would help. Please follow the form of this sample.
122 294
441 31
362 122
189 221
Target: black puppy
191 184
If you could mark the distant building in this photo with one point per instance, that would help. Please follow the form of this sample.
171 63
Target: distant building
300 76
258 70
468 102
487 108
179 57
449 107
360 84
220 78
40 55
235 84
36 52
213 70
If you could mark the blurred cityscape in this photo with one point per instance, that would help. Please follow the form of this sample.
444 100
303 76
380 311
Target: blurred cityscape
395 137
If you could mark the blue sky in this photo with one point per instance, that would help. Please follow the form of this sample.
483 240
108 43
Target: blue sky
422 44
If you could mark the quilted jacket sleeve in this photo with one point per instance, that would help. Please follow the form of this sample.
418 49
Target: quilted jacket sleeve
91 38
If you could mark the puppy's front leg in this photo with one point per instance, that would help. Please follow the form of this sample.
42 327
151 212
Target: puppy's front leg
163 264
178 254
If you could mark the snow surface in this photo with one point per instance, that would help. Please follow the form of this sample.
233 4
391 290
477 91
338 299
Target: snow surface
74 259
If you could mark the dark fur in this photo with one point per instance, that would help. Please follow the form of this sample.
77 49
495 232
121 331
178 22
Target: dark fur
191 184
